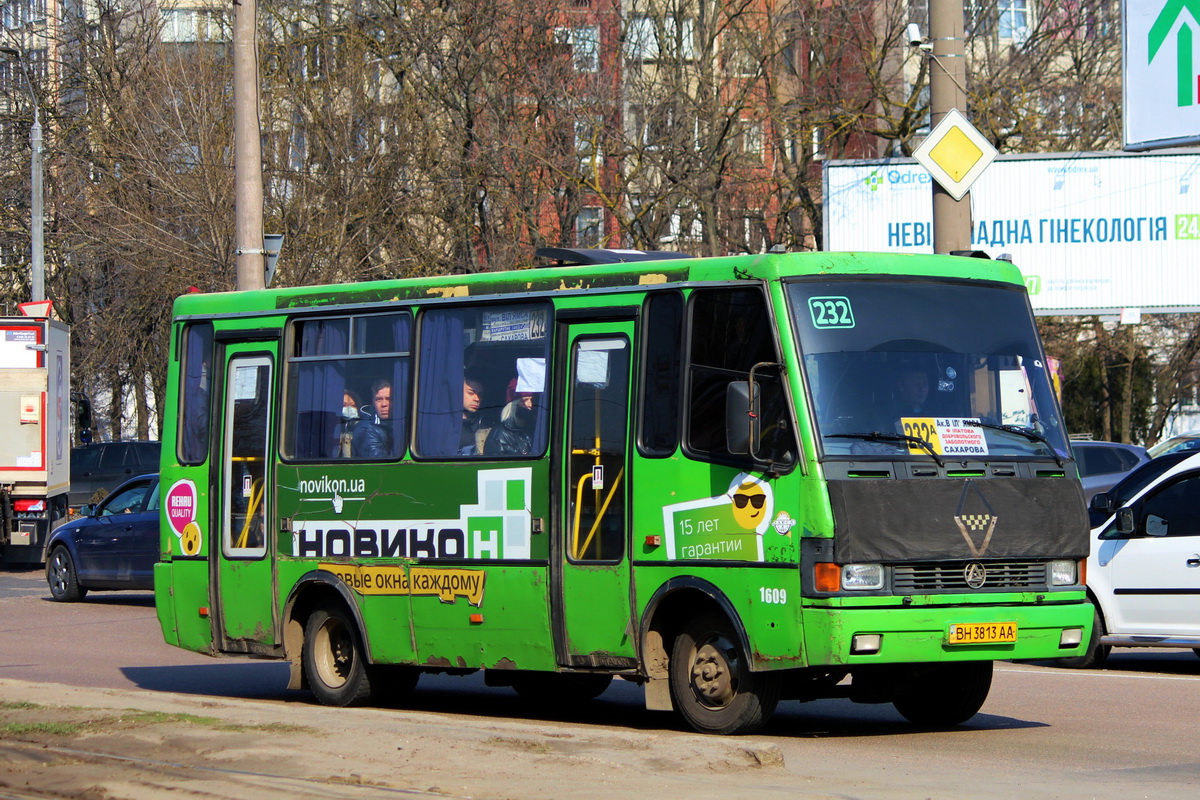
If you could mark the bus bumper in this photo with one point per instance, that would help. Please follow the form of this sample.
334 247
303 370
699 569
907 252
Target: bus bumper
852 636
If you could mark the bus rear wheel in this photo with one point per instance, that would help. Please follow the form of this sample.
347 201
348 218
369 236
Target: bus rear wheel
334 664
944 694
711 682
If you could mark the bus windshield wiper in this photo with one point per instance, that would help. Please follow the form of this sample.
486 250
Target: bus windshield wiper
1028 433
880 436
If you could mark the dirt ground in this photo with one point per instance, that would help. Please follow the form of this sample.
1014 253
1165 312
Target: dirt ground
96 744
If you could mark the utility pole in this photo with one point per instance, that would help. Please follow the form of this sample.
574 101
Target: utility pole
247 148
947 90
37 247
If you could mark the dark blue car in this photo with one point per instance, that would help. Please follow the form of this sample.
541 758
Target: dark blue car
112 545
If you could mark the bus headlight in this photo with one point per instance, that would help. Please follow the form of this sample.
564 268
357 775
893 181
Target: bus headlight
862 577
1063 572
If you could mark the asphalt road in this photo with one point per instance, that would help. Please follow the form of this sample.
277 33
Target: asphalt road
1124 732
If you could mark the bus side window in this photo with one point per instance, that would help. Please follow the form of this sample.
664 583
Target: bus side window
317 387
470 358
194 393
662 380
730 332
340 357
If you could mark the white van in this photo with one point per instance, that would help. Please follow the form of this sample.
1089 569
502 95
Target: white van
1143 573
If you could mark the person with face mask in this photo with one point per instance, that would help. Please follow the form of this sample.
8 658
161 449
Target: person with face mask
349 423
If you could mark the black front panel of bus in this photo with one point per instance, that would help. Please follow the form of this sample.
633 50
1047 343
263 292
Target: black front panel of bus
922 520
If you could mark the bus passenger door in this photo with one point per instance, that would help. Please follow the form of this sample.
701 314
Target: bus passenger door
245 576
592 614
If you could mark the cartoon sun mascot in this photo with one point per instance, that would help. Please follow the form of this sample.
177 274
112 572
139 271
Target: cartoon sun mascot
752 502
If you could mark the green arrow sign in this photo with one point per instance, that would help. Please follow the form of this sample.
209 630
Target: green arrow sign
1171 12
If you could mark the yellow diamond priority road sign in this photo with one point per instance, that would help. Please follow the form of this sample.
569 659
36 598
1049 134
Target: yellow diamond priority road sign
955 153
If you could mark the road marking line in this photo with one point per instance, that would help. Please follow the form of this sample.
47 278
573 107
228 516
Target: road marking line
1100 674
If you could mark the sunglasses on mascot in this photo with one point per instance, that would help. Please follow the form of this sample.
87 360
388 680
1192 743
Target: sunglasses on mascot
756 500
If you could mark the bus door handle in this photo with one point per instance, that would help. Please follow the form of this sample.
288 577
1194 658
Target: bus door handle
1193 562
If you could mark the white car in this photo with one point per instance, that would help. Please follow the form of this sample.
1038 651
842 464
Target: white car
1143 573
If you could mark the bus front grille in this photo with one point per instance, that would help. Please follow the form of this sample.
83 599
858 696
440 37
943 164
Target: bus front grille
952 577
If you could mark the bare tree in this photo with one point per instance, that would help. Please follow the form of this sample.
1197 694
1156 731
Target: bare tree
143 184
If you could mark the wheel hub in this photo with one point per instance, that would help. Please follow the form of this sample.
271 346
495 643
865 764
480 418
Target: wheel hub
712 680
335 655
58 572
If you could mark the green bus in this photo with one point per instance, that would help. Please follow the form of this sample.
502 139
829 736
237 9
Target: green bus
731 480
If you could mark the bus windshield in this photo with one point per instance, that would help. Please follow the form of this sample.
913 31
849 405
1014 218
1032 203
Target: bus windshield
925 368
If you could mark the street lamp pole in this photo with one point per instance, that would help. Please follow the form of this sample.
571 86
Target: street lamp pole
37 250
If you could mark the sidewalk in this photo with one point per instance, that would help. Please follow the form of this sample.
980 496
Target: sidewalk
101 744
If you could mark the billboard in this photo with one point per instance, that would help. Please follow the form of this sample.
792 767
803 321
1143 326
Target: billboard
1090 232
1161 71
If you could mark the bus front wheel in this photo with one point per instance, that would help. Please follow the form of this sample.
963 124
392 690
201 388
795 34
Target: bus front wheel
333 659
944 694
711 682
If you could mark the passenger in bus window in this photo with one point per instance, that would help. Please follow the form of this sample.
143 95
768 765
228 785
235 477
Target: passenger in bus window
373 433
350 416
513 436
468 442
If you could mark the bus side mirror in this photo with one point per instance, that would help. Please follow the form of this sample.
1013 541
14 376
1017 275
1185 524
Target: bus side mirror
742 425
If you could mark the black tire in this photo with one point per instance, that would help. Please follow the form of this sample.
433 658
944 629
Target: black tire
334 664
712 685
560 688
62 577
1096 654
944 694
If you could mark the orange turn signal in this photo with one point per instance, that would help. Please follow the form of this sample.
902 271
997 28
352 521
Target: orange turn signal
477 619
828 577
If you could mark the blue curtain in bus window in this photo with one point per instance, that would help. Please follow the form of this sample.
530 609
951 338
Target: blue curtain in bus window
440 394
194 411
400 393
319 389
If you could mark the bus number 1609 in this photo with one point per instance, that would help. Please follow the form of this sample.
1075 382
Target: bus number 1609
773 596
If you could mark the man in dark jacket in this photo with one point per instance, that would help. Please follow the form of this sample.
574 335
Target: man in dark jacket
373 434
